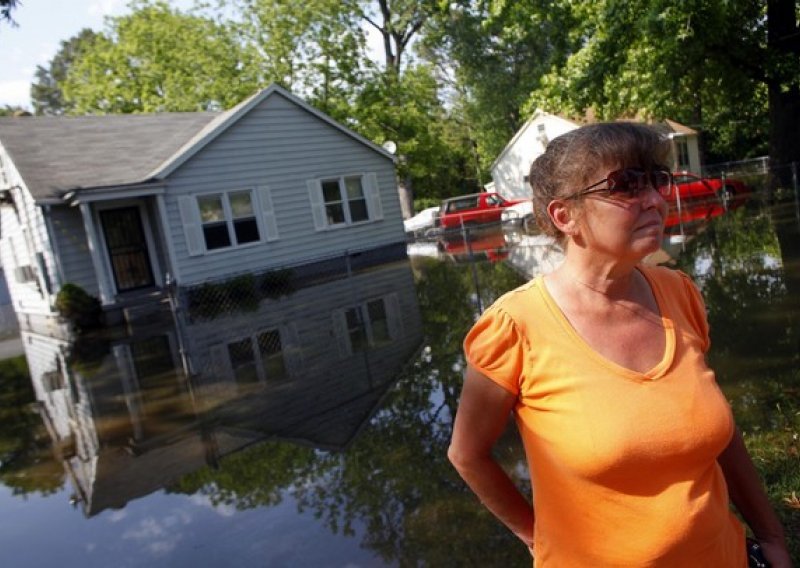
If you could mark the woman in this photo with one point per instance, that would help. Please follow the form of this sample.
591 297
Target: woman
632 449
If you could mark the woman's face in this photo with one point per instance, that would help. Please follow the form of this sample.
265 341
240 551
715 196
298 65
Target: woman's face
620 226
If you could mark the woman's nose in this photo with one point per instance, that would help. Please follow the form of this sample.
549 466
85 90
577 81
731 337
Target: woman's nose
652 197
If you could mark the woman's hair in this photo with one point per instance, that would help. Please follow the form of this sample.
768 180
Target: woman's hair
572 158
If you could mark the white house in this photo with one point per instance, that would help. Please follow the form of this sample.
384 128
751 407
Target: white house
510 169
123 204
8 319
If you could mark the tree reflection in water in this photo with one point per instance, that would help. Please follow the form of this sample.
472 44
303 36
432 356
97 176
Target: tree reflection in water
393 485
395 479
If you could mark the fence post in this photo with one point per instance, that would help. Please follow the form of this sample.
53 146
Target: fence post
796 197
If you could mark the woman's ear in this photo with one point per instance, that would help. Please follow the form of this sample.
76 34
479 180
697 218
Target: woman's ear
563 216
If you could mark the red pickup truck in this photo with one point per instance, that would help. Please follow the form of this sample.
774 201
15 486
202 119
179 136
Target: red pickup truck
473 209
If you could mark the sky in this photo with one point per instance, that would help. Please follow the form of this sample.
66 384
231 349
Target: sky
42 26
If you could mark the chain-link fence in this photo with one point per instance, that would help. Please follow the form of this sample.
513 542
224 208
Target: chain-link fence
244 292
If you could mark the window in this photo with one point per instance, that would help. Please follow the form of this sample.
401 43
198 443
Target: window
258 358
225 219
271 351
371 324
367 325
462 204
379 322
682 149
344 200
228 218
245 226
243 361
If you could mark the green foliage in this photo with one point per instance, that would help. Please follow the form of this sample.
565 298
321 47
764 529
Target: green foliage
421 203
700 63
13 110
78 307
26 465
776 454
497 52
435 152
240 293
46 91
277 283
158 59
314 46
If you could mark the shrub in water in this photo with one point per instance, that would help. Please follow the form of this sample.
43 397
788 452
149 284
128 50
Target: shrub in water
76 305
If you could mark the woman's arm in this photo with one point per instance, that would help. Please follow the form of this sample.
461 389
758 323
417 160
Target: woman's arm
483 413
747 494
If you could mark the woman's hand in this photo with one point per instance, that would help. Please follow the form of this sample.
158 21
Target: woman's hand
747 494
776 554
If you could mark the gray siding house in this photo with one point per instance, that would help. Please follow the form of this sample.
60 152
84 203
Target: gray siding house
294 370
123 205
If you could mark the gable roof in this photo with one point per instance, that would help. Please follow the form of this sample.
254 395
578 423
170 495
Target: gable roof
225 120
55 155
537 114
665 127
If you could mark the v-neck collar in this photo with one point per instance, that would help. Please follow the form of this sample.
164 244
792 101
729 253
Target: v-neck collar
658 370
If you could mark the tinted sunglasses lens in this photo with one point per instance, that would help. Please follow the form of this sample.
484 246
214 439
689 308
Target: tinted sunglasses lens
628 182
662 181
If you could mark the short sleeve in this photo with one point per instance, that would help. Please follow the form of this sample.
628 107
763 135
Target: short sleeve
495 347
697 311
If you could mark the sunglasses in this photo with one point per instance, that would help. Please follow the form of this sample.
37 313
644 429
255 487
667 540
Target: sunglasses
629 182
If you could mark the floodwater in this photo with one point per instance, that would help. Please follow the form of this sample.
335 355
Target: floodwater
311 429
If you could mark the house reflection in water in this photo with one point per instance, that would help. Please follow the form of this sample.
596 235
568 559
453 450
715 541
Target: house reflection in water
310 367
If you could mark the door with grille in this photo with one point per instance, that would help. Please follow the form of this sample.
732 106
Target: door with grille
127 248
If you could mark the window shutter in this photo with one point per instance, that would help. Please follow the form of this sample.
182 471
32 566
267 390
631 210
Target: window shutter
317 204
394 315
268 213
190 217
292 349
340 331
372 190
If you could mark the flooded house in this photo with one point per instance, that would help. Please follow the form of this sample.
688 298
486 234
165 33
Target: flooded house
125 206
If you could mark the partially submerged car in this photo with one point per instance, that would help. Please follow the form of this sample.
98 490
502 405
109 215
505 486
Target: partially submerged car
420 223
472 210
518 214
728 192
696 199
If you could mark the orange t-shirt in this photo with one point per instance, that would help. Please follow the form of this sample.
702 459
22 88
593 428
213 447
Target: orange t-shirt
623 464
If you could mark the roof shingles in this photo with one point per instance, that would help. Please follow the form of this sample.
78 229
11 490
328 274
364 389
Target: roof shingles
58 154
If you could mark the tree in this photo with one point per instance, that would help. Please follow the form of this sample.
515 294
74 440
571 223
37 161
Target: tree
13 110
46 91
730 68
434 154
6 6
159 59
398 23
314 46
495 53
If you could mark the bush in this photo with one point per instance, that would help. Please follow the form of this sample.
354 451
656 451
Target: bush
82 310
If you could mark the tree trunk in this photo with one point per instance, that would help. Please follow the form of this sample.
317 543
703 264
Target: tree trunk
406 194
784 151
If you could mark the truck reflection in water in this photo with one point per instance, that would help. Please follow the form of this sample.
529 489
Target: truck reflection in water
131 414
